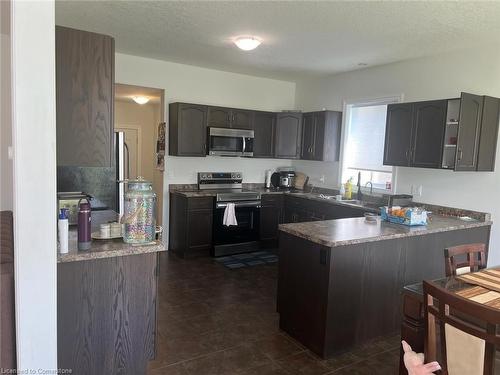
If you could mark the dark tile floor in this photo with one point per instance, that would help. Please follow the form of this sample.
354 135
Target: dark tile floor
213 320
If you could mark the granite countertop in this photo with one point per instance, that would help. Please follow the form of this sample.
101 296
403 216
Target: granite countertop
340 232
105 249
190 193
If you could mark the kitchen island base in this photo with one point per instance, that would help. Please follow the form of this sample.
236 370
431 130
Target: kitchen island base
331 298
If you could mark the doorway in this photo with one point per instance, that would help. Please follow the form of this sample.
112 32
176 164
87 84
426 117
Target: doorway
139 113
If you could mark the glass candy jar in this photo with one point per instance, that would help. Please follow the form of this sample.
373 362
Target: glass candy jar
140 212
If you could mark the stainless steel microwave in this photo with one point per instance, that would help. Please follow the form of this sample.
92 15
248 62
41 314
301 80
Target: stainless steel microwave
230 142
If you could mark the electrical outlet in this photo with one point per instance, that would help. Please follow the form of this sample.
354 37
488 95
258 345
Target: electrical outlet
322 179
420 188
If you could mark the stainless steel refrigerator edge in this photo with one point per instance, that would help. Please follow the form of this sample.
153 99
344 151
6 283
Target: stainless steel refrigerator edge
122 171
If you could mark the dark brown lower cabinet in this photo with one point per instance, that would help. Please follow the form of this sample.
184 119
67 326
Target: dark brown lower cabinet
190 225
106 314
271 216
333 298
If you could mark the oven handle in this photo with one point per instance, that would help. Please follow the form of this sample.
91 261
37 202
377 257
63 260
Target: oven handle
255 204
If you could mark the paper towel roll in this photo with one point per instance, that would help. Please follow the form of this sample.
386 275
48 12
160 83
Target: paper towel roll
268 178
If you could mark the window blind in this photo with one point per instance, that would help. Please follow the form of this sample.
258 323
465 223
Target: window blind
364 148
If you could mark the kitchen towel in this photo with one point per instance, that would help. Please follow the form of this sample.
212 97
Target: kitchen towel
229 215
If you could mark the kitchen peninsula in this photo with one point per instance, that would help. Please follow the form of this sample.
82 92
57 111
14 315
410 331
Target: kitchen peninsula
107 300
340 281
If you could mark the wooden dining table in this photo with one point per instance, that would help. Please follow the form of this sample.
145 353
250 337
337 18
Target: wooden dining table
482 287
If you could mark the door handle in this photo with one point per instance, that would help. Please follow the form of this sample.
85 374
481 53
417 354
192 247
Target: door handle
460 154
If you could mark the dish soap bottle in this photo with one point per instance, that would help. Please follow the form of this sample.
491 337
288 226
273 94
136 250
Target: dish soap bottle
348 189
342 190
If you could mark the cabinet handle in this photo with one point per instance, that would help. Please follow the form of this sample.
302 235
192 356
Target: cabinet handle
408 154
459 156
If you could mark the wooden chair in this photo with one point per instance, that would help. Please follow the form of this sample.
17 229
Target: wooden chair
464 330
471 256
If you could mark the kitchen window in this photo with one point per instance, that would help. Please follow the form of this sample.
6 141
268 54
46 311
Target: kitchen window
363 150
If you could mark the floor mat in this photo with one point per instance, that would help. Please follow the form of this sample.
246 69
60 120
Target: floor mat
247 260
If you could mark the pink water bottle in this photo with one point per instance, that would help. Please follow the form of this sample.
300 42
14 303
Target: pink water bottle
84 225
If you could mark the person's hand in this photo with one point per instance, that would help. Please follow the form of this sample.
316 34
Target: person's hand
414 362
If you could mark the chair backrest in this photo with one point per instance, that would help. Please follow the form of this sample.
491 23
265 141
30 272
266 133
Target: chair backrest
472 256
465 332
6 237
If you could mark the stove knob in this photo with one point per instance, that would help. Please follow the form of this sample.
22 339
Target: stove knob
238 175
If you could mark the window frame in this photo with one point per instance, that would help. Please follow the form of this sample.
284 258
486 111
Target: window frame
347 105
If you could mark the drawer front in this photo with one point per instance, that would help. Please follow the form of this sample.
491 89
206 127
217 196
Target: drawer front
200 203
413 308
294 202
272 199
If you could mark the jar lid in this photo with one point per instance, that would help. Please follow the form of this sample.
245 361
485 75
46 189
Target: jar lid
140 184
139 180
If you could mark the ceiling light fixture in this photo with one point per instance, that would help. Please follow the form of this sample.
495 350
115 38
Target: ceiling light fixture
247 43
140 99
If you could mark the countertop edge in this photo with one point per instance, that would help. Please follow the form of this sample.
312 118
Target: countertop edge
466 225
92 255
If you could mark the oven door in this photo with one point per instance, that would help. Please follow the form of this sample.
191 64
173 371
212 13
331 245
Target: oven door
230 142
247 230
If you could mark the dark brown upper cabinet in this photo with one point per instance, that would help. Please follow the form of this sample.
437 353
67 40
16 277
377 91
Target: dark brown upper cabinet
459 134
221 117
187 129
321 135
414 134
398 132
477 133
85 78
242 119
288 135
263 125
428 133
307 149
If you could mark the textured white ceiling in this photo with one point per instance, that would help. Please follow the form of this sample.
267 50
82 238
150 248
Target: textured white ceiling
300 37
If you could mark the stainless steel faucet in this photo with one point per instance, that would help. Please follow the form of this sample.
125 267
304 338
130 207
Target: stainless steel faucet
371 187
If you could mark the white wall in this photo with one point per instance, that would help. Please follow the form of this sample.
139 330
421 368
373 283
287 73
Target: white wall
6 194
439 77
34 141
206 86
